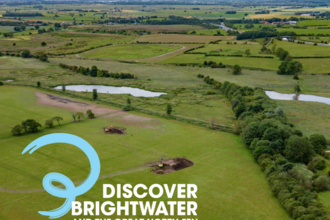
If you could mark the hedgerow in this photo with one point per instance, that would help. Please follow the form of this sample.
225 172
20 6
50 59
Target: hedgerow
285 156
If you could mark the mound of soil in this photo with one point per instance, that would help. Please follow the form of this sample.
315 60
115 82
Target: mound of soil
170 165
115 130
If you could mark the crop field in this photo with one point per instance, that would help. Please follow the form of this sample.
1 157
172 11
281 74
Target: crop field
131 51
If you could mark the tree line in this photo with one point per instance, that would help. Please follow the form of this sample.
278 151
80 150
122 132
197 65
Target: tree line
32 126
288 158
95 72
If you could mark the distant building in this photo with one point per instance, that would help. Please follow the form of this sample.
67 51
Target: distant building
219 50
306 15
286 38
267 23
292 22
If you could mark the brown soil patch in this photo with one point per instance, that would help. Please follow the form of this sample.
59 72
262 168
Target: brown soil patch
77 106
70 104
170 165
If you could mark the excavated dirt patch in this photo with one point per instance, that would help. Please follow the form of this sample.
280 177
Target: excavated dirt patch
75 106
170 165
115 130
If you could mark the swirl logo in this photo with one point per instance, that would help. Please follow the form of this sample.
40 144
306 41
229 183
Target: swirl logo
71 191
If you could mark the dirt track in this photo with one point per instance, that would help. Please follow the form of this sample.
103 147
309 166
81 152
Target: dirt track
75 106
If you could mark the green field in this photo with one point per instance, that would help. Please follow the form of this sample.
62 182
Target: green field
131 51
302 49
269 64
163 58
233 49
310 117
223 184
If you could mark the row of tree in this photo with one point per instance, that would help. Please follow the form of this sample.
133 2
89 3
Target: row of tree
288 159
32 126
95 72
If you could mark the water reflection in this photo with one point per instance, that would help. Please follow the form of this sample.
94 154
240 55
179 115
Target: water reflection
112 90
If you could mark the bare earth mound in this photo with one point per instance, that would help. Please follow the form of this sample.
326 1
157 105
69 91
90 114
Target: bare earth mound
170 165
114 130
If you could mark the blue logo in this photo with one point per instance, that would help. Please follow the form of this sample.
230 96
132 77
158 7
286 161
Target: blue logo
71 191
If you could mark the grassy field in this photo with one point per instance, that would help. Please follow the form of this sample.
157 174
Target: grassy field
79 41
223 185
269 64
169 38
302 49
186 92
236 49
308 31
309 117
60 42
131 51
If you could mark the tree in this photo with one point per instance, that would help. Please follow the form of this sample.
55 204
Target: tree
17 130
36 27
128 106
319 143
288 58
43 57
100 73
43 44
274 49
58 119
237 69
298 149
31 125
296 87
168 109
49 123
95 94
26 54
90 114
80 115
281 53
247 52
240 109
63 88
93 71
38 84
289 68
74 116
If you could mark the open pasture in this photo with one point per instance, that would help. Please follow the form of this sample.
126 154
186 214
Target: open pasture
131 51
308 31
77 42
177 38
223 186
301 50
234 49
309 117
268 64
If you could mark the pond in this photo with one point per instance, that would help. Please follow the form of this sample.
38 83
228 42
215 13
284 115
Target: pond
112 90
301 97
